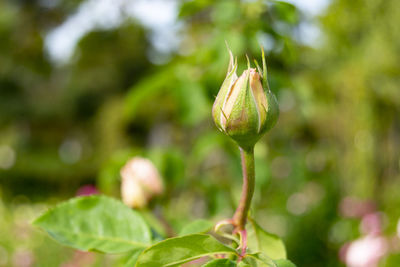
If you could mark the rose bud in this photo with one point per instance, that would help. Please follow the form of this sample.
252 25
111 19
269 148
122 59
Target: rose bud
245 108
140 182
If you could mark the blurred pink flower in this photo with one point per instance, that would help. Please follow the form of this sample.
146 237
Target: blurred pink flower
371 224
355 208
87 190
140 182
23 258
366 251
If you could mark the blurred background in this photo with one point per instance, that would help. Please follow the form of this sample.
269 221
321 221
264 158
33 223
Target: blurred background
87 84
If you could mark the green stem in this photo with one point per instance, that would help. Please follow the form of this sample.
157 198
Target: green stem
240 216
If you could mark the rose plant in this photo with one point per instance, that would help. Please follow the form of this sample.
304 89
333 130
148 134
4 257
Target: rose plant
244 109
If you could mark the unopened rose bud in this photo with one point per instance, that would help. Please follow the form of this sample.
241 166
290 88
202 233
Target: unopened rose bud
245 108
140 182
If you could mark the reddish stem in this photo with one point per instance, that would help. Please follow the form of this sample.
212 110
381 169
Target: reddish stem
240 216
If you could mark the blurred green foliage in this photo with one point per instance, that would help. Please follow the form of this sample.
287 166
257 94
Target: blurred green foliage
338 135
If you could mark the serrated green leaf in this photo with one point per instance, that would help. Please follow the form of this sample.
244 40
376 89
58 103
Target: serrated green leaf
249 260
220 263
259 260
264 261
96 223
178 250
262 241
196 227
243 264
132 259
284 263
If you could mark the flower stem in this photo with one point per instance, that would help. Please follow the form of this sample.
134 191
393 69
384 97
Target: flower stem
240 216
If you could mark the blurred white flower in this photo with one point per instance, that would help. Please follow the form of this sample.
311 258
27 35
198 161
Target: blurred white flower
366 251
7 157
70 151
140 182
298 203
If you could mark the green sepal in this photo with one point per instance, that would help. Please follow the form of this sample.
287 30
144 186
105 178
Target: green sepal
226 86
272 111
